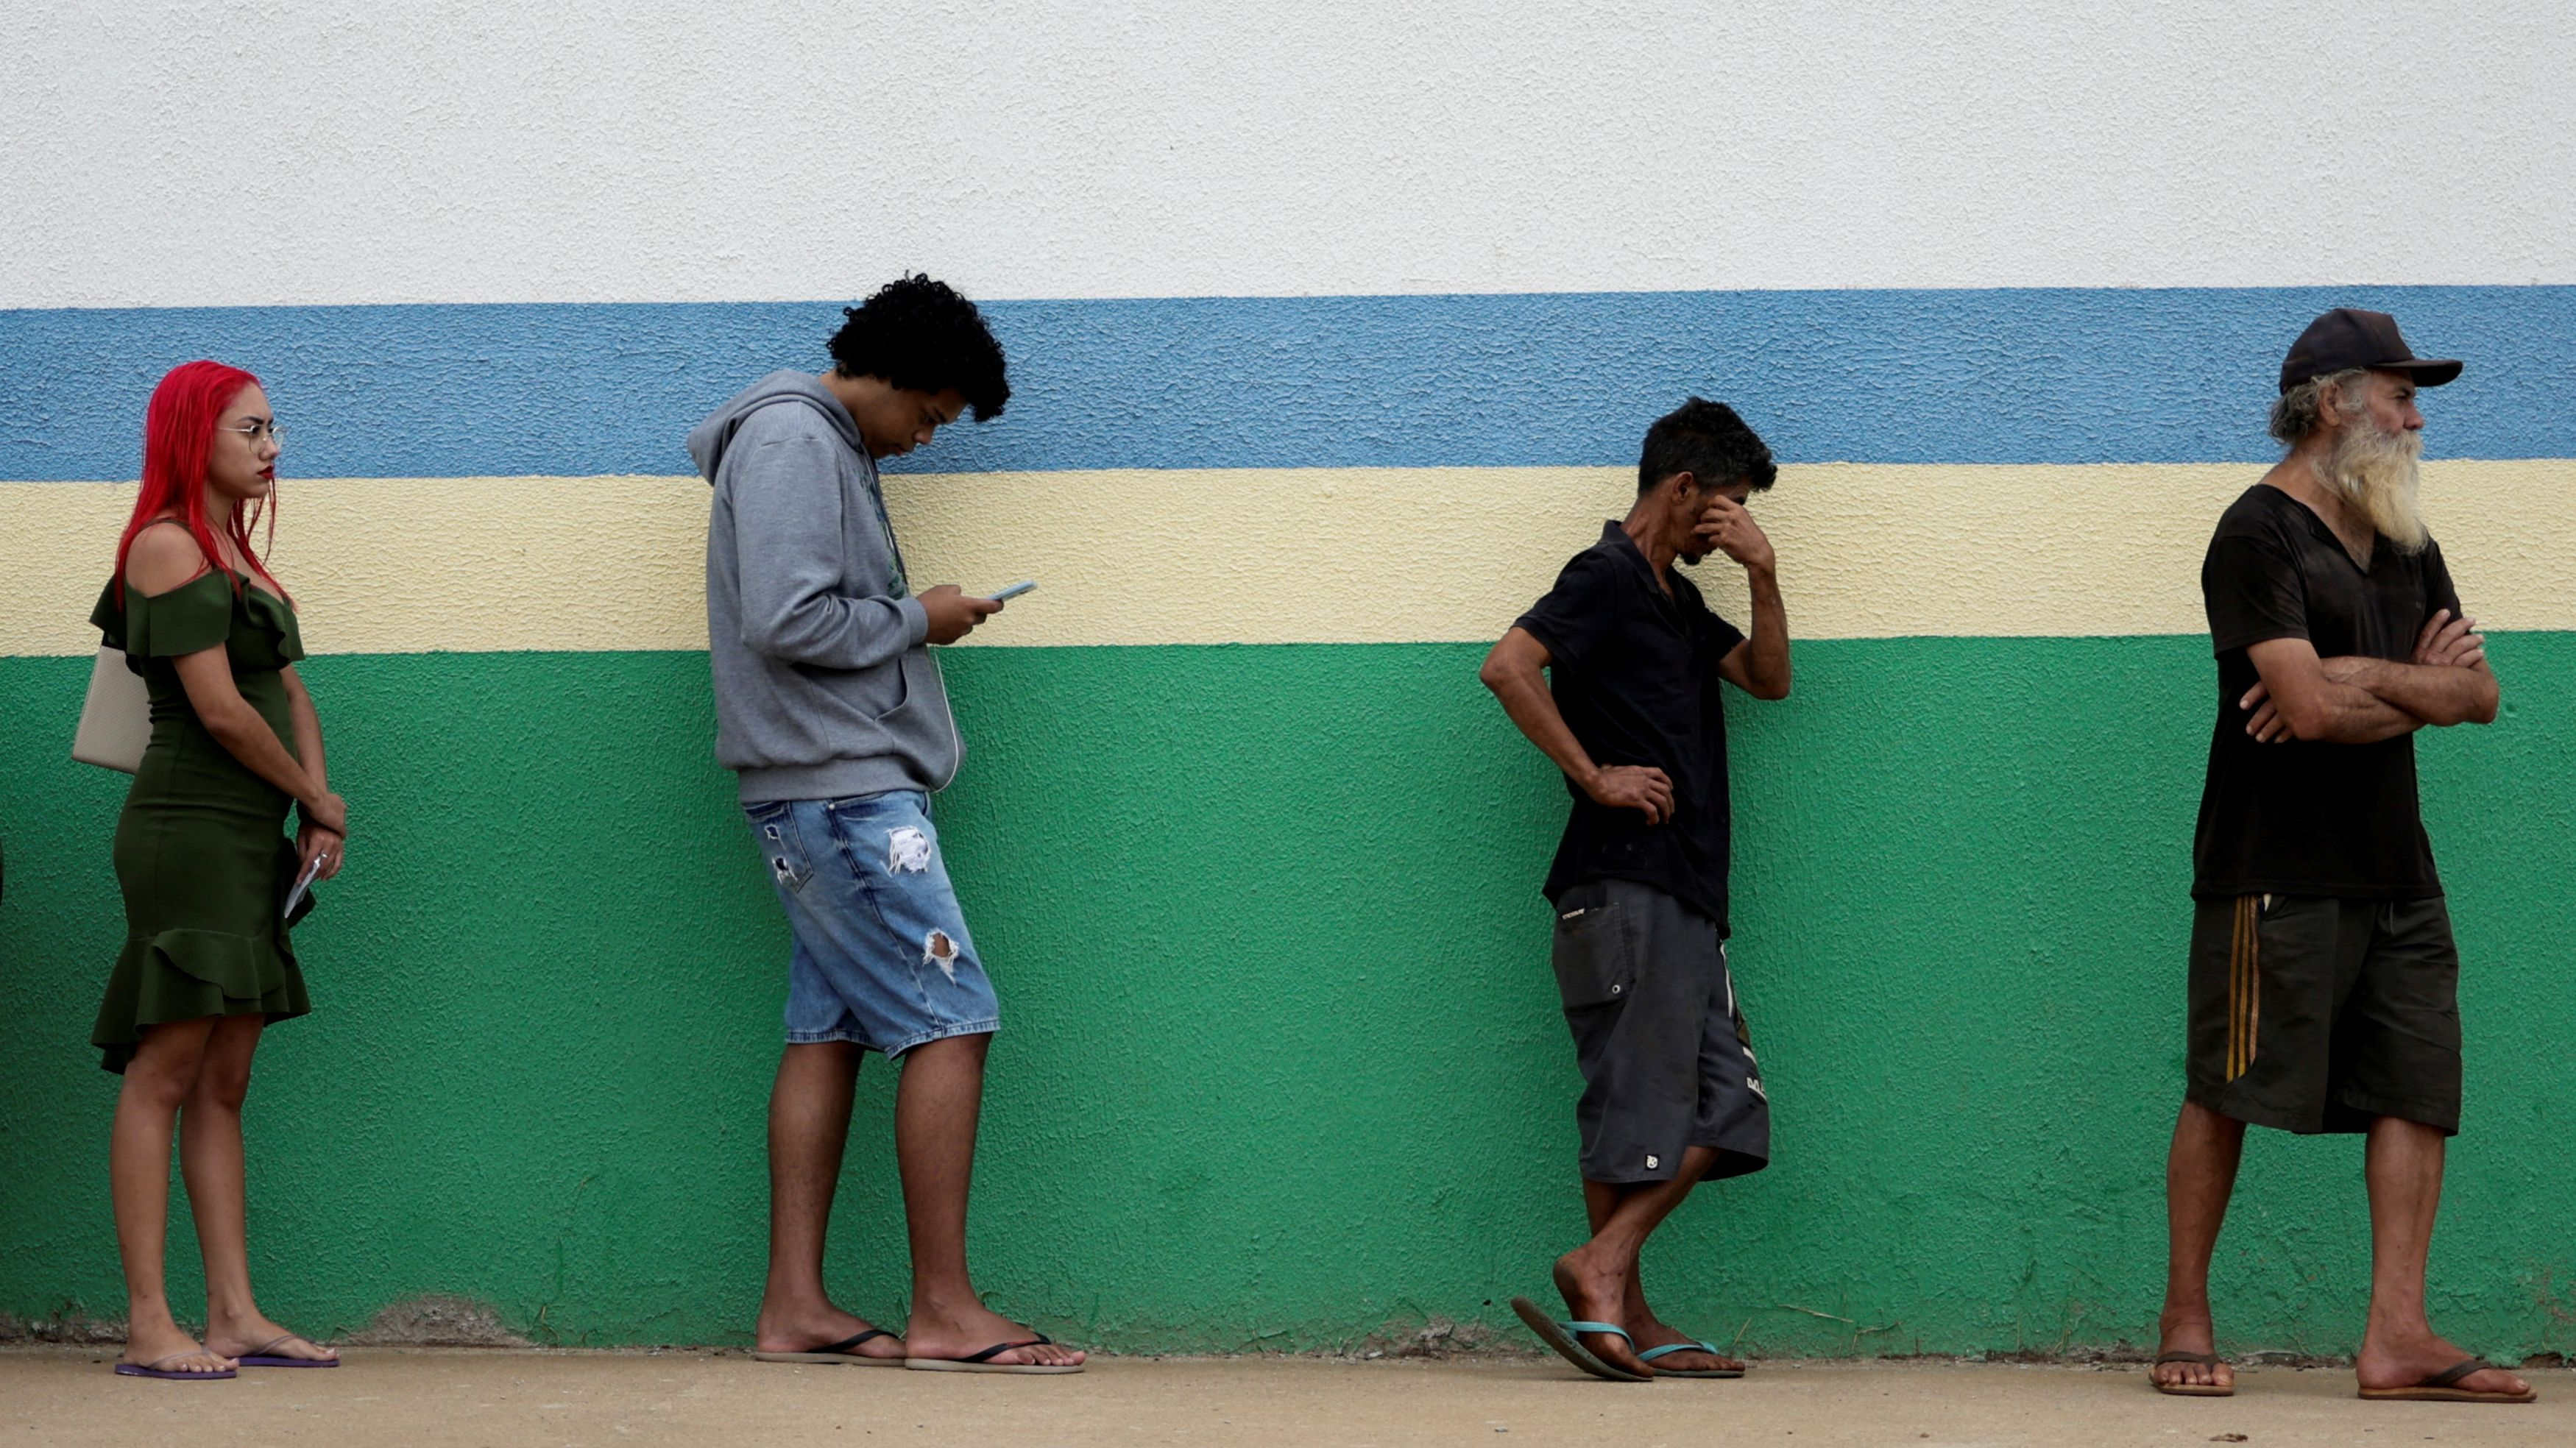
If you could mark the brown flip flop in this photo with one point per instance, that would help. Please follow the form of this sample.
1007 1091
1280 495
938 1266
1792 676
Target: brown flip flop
2439 1388
2190 1390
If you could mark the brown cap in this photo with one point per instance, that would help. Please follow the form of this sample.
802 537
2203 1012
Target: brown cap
2349 337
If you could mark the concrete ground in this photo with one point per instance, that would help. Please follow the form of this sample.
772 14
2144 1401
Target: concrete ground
56 1395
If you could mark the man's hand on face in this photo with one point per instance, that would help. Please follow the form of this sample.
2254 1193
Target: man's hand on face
954 612
2448 642
1726 527
1633 786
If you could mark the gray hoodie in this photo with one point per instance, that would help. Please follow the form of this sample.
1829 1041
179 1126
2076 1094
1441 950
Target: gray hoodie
824 686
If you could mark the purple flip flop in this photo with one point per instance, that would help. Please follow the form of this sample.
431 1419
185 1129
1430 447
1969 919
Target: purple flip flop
259 1357
153 1369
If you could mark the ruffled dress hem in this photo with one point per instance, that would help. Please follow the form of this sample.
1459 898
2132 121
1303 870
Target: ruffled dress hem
184 975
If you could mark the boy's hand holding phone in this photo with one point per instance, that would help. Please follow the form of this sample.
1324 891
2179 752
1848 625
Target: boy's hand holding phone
954 612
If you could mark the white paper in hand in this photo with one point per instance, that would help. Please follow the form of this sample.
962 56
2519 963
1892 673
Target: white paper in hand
303 883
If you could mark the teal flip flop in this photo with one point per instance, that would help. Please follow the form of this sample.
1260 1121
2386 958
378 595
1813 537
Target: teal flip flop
1561 1336
1668 1349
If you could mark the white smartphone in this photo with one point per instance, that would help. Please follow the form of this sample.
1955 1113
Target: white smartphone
1014 591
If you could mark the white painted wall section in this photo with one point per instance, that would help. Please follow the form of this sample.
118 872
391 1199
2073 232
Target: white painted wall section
269 152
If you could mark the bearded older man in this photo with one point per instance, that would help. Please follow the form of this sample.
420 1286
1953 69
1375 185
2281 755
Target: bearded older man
2323 992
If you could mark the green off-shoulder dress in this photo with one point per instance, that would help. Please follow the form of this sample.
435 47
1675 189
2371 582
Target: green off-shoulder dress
201 850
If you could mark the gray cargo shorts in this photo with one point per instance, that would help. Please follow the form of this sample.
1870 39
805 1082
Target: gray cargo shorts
1667 1062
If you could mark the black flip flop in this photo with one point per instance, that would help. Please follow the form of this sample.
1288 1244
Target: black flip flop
837 1352
982 1362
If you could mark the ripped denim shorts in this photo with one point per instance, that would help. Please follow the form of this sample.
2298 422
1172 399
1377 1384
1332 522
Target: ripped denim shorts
882 956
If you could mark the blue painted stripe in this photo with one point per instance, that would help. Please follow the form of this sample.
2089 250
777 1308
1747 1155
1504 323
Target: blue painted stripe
2076 376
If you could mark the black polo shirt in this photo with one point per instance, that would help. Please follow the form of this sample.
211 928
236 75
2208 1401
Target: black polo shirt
1635 675
2310 818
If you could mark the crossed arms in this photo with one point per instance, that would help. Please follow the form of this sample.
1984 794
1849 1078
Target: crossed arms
2356 700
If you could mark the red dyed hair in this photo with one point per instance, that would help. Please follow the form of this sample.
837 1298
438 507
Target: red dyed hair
178 446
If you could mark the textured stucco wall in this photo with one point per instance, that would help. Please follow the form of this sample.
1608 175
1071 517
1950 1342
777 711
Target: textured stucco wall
1242 470
1333 330
472 150
1283 1062
1208 556
1993 375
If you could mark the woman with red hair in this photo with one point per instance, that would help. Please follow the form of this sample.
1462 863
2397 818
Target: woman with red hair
202 859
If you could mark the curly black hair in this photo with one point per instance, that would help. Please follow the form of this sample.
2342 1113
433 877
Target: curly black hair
920 335
1708 441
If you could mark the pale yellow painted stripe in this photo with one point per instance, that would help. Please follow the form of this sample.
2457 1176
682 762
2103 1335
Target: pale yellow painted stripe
1279 556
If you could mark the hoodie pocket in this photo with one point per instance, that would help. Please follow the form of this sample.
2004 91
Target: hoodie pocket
880 692
896 690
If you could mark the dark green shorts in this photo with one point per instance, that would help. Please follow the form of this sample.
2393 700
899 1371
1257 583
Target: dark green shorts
2318 1013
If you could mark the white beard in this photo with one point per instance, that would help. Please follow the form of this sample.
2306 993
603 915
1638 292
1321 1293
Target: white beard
2379 473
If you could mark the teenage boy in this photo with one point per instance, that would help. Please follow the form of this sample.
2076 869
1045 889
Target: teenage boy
2323 982
830 710
1633 716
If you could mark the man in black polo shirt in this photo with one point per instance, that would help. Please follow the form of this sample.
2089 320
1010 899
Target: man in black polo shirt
1671 1094
2323 977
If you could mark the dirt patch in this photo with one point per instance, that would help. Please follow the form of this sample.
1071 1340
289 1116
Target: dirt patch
66 1324
437 1320
1437 1339
2118 1354
2284 1357
2128 1355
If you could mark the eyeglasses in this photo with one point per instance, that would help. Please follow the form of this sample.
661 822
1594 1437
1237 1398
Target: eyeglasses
260 432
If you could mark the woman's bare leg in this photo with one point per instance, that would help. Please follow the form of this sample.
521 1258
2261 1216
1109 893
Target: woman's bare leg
210 1156
157 1083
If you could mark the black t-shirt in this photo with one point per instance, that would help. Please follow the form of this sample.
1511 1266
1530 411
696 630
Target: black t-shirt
2310 818
1634 673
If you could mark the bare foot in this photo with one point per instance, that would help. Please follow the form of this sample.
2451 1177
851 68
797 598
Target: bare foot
806 1327
2395 1362
164 1348
255 1335
2189 1333
1594 1293
963 1332
1653 1333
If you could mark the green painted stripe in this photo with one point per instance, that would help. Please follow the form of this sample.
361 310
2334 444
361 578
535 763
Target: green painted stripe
1283 1062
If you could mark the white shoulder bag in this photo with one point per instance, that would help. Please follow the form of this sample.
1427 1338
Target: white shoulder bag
116 719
